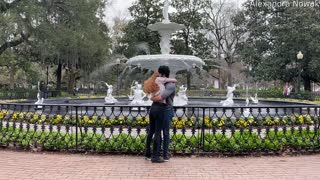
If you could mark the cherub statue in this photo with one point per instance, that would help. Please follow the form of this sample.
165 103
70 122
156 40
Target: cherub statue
110 90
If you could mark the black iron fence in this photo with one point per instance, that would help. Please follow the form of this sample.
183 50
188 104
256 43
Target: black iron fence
194 129
27 94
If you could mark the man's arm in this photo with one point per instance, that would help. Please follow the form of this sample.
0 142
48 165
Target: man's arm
170 88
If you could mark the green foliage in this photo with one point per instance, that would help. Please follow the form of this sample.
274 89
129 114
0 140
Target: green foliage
239 142
190 40
57 32
275 36
138 39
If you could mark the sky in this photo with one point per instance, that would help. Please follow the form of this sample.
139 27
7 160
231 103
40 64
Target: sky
120 7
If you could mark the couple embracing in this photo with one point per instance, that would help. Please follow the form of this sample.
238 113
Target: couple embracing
162 88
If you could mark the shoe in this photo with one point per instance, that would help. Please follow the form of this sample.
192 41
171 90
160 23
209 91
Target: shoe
147 158
166 158
157 160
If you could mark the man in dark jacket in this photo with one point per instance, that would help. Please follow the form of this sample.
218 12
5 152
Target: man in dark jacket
168 95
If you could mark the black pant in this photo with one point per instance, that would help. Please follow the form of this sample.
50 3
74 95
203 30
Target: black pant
156 117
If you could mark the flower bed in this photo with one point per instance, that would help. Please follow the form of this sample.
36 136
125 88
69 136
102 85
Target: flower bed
177 122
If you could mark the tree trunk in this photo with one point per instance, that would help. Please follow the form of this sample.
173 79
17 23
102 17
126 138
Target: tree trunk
72 75
12 73
189 80
59 73
229 74
307 84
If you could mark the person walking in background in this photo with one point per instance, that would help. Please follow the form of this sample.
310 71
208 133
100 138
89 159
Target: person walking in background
43 90
155 86
289 90
167 95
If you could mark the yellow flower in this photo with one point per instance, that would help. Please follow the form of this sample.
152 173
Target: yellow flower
300 119
21 115
66 118
14 116
105 121
43 117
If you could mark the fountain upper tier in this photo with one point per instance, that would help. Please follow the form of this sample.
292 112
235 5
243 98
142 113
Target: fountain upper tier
175 62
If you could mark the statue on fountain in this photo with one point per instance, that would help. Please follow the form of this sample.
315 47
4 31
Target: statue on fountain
181 99
165 11
132 88
138 95
40 99
109 99
229 100
255 99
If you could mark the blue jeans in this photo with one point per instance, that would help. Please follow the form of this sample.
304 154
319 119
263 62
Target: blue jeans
156 117
166 131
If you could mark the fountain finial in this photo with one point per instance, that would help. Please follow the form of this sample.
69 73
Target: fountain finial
165 11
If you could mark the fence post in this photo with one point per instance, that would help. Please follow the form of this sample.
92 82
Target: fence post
203 128
77 122
317 124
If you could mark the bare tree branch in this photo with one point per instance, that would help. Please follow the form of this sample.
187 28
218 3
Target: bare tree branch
14 43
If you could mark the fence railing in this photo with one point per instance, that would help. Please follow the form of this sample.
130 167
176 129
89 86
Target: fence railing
194 129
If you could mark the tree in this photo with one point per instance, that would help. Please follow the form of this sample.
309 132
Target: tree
73 37
17 19
11 63
117 33
144 13
187 13
191 40
222 31
275 35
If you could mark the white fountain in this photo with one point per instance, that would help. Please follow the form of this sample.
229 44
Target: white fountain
181 99
254 99
229 100
132 88
40 100
246 112
175 62
138 95
109 99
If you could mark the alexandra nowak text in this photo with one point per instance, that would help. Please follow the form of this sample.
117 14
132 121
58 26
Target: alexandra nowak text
311 3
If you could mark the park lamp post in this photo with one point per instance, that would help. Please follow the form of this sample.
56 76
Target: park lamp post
118 80
299 57
249 68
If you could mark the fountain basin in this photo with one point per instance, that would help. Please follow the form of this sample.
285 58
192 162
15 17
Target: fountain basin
193 101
